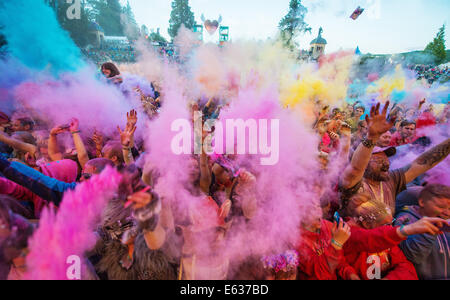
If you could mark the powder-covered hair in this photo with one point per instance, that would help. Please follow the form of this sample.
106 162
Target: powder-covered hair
363 208
434 191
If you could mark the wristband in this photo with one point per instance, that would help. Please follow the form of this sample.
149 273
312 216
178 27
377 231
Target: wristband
74 132
367 143
402 231
336 243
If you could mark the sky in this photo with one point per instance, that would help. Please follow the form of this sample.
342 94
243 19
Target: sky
385 27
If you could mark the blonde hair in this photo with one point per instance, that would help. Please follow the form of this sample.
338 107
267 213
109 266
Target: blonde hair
363 208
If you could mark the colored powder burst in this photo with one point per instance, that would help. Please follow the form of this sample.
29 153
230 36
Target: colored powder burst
328 84
71 231
35 37
385 86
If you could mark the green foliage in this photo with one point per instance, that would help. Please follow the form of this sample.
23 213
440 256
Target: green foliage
77 28
131 27
293 24
107 14
437 46
156 37
181 14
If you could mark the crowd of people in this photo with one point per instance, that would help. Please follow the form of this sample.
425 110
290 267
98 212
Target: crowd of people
117 54
362 231
431 73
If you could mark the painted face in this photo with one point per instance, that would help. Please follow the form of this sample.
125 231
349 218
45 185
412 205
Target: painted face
385 140
408 131
436 208
378 168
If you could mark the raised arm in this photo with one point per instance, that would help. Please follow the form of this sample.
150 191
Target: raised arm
378 125
18 145
427 161
98 141
82 154
346 142
127 137
147 210
205 173
53 151
45 187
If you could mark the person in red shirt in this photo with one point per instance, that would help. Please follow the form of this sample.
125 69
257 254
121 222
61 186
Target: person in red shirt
320 250
405 135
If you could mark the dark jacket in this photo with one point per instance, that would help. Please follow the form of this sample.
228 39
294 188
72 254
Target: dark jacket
45 187
429 254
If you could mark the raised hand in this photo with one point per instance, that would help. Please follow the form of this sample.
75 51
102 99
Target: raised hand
425 225
131 118
98 138
140 199
377 123
74 125
341 233
126 136
59 129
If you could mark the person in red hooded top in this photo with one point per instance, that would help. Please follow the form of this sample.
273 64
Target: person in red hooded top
321 249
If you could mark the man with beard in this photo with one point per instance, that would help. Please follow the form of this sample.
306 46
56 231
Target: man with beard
369 168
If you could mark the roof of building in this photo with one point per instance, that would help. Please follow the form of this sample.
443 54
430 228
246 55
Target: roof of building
319 40
93 26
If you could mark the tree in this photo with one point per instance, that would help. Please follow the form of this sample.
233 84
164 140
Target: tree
437 46
107 13
181 14
129 23
293 24
157 37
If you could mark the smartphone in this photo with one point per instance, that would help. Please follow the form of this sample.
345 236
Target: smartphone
337 218
446 228
65 126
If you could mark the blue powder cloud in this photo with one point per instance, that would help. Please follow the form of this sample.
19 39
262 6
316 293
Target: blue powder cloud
35 37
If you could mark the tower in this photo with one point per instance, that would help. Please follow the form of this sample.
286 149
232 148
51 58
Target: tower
224 32
199 30
318 45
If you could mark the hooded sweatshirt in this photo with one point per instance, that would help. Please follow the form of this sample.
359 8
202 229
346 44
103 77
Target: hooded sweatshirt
429 254
319 260
64 170
380 242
